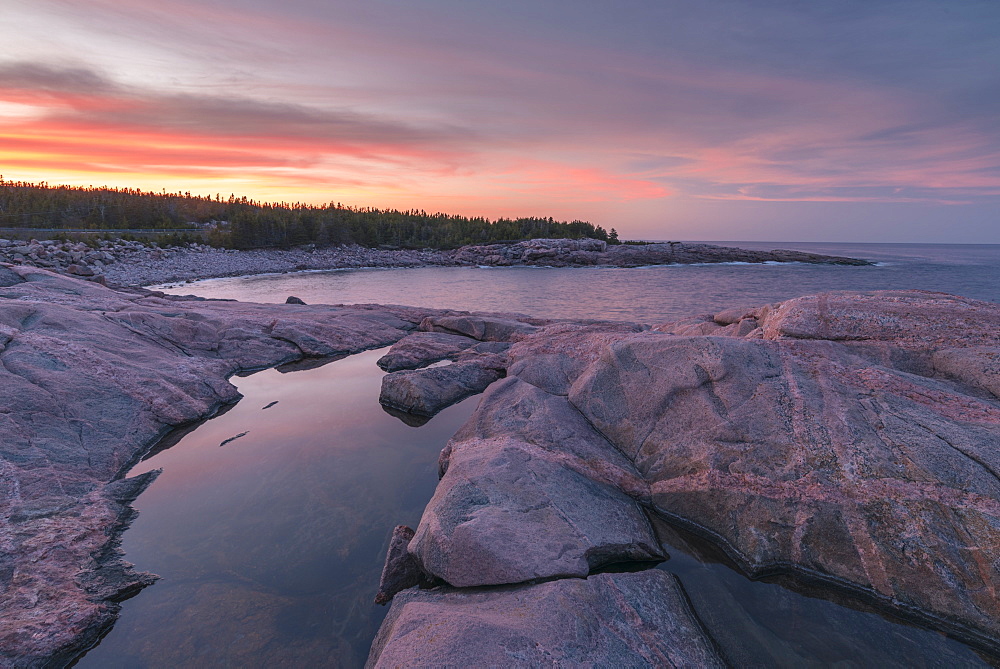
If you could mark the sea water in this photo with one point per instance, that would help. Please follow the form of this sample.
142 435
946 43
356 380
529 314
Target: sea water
270 544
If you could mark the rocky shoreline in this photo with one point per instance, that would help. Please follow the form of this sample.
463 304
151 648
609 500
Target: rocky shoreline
848 438
130 263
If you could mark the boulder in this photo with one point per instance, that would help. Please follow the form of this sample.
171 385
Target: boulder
424 348
483 328
506 511
607 620
427 391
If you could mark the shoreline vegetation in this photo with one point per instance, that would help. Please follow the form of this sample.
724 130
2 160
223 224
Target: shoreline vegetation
845 437
204 237
244 223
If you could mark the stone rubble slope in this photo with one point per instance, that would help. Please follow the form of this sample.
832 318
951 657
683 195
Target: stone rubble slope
90 379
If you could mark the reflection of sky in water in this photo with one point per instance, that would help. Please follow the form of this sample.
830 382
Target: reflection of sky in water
270 547
649 295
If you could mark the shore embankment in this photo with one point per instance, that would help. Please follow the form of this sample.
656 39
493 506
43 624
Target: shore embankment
132 263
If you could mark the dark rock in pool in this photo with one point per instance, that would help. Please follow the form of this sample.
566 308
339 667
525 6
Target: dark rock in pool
427 391
607 620
401 570
294 300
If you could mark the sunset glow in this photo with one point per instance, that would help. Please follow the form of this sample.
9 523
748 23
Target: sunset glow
659 119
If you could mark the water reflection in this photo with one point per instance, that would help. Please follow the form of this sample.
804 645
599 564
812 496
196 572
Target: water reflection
788 623
270 545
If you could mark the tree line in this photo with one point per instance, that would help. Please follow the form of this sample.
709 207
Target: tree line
244 223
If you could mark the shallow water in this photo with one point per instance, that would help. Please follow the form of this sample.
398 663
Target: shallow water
649 295
271 545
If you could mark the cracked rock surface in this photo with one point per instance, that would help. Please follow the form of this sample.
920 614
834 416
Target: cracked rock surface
621 620
850 438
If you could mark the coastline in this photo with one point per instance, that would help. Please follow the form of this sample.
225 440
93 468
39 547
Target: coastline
117 367
127 263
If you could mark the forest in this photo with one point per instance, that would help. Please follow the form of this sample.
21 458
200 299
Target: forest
242 223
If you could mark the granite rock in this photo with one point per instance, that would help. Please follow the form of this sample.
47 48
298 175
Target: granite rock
530 490
424 348
855 441
607 620
425 392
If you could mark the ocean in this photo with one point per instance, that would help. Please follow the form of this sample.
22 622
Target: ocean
650 295
270 545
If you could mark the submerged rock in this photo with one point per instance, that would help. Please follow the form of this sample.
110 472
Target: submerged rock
607 620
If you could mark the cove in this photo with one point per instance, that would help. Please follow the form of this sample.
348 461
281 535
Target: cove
270 545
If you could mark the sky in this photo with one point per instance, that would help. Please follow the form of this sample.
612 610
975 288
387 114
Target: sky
820 120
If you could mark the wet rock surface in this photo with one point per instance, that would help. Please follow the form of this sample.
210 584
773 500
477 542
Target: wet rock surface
622 620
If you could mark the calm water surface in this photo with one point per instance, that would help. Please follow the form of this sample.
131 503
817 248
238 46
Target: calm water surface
270 546
651 295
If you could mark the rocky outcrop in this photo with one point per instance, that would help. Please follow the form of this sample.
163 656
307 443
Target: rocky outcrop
849 439
123 262
425 392
425 348
588 252
606 620
828 442
90 379
475 344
